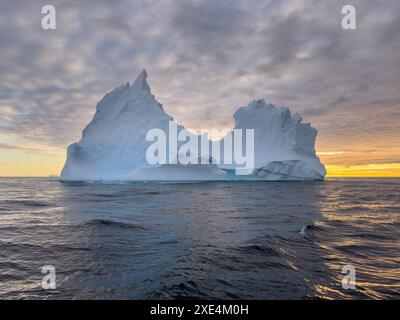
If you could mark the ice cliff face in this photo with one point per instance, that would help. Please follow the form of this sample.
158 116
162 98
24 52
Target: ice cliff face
113 145
114 142
284 146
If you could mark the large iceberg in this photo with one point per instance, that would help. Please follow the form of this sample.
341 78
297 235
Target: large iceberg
113 145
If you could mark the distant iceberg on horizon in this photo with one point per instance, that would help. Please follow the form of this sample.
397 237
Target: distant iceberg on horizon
113 145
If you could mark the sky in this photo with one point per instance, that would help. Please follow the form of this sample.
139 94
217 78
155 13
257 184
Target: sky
204 59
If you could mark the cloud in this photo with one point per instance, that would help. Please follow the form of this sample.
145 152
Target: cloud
37 150
204 59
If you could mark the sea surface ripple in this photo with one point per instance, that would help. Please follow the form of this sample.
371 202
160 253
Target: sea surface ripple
255 240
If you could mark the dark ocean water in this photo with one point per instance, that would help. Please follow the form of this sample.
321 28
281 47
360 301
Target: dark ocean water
209 240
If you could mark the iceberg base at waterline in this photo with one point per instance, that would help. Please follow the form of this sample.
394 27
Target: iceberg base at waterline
178 172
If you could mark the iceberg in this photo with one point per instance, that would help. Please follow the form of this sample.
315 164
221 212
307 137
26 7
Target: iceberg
284 146
113 145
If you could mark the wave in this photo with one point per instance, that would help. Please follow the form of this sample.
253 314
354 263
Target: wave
104 223
256 249
28 203
308 229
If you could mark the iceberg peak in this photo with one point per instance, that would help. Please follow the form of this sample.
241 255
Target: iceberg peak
140 84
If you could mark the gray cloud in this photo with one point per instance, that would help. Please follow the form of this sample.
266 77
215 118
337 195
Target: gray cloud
204 59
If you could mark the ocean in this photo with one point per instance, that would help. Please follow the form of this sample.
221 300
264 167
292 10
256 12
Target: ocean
219 240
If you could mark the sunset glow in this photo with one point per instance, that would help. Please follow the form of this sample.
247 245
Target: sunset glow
205 60
20 163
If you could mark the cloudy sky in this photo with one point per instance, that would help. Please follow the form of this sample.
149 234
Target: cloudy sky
204 59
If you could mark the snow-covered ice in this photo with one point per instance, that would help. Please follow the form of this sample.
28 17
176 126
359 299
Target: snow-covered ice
284 146
113 145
